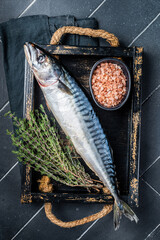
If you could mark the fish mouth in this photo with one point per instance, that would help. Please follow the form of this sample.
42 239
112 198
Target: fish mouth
30 52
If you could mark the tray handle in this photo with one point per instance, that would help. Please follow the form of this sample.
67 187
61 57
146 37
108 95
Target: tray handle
46 187
110 37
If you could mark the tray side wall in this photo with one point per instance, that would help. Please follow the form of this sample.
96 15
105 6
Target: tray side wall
136 53
135 128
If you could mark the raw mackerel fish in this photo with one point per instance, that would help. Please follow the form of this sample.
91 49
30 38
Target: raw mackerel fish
74 113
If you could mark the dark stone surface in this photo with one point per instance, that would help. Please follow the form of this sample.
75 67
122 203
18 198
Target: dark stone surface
126 19
7 159
13 214
150 41
152 176
150 139
79 9
3 88
155 235
12 8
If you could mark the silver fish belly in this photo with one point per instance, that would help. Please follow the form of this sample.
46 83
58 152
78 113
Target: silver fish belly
76 117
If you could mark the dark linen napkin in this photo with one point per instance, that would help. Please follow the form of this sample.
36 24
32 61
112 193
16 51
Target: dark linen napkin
39 29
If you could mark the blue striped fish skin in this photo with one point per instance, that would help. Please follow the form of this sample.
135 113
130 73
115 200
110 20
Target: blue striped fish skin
77 118
94 128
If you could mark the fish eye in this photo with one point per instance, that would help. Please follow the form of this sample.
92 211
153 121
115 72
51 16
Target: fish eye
41 58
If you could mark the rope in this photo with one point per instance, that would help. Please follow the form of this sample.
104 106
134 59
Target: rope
110 38
45 185
48 210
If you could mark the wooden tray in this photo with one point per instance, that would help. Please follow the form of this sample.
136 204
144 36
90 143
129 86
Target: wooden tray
122 126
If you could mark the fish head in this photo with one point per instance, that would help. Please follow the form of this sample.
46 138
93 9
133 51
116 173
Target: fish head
44 67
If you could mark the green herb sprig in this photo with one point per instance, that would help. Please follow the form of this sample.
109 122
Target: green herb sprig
40 146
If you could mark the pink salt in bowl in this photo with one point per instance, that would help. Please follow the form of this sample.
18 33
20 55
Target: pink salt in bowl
110 83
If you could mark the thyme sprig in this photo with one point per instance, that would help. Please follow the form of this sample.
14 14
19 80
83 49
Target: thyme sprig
39 145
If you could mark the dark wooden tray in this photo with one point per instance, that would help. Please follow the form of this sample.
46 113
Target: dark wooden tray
122 126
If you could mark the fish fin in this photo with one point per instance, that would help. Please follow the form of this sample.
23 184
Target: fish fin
122 208
117 215
64 87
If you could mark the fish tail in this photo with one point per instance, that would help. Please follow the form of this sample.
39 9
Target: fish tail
120 207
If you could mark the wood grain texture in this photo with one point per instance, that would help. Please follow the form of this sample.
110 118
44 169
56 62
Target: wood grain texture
135 126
